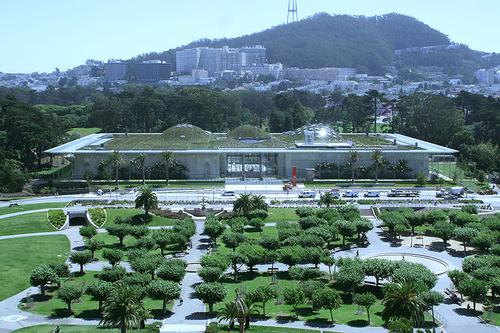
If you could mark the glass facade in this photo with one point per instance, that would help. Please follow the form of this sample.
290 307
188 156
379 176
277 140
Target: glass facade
251 165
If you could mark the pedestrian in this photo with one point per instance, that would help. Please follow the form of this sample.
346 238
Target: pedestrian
181 301
468 307
357 253
57 329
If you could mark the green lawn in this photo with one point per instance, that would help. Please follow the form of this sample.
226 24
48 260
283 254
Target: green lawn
268 329
14 275
83 131
23 224
346 314
53 307
24 208
137 215
281 214
73 329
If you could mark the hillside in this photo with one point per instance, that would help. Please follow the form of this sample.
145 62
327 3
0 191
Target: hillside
323 40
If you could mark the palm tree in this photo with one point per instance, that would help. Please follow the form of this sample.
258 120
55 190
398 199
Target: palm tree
122 309
146 199
326 199
228 313
378 162
259 202
241 311
116 159
401 300
353 162
243 205
141 162
167 157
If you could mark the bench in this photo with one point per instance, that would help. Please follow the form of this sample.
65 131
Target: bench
273 270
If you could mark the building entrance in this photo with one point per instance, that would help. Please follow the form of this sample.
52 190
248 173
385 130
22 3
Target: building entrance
251 165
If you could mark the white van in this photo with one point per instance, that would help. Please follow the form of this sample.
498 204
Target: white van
307 194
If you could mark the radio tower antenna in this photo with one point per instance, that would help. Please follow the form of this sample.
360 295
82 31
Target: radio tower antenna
292 12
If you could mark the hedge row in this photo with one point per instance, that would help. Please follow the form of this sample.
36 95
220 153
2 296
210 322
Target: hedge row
57 218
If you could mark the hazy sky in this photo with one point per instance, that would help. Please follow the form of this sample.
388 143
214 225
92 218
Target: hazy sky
38 35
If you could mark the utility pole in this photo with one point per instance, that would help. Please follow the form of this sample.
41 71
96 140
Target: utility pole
292 9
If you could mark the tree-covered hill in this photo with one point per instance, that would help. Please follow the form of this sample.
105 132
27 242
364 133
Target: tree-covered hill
323 40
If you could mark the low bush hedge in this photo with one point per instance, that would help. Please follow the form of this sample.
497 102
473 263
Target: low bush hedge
98 216
56 217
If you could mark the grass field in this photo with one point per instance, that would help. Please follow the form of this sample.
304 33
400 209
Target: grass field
346 314
268 329
282 214
73 329
27 223
53 307
14 275
136 215
24 208
83 131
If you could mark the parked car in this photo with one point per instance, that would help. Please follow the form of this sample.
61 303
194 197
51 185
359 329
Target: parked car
228 194
307 194
351 194
403 193
372 194
99 192
441 193
13 204
335 194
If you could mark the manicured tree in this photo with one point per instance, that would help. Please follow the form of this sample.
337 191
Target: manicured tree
402 301
147 264
215 260
262 294
399 229
269 243
120 231
484 241
116 160
236 260
258 214
444 230
81 258
172 271
413 272
167 157
122 309
378 268
326 200
457 277
465 235
366 300
290 255
293 295
348 278
346 229
233 239
329 261
328 299
310 222
94 245
61 270
257 224
432 298
163 290
314 255
211 293
462 219
41 276
210 274
414 220
254 254
304 211
475 290
87 231
243 205
146 199
138 231
162 238
113 256
99 290
237 224
213 229
68 294
362 227
112 274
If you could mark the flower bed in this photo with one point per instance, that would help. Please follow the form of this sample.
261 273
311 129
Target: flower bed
57 218
98 216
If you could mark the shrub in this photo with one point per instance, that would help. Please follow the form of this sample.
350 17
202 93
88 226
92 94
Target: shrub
304 211
87 231
57 218
98 216
258 213
68 294
471 209
112 274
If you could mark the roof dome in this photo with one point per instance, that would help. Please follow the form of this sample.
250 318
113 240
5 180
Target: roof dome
186 131
248 132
